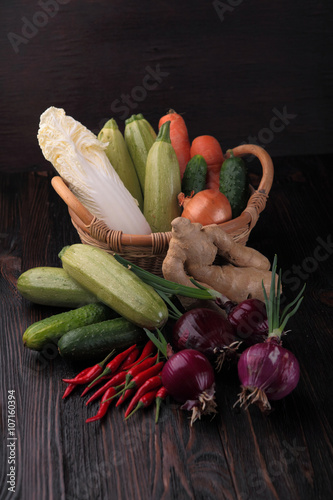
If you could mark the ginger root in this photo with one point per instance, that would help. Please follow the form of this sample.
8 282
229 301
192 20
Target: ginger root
192 252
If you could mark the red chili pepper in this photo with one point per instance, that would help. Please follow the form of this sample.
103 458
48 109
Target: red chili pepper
141 377
131 359
145 401
125 395
135 370
140 367
93 384
148 349
150 384
114 364
71 386
88 374
115 381
68 390
104 405
161 394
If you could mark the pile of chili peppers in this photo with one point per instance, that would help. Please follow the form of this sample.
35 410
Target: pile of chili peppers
131 375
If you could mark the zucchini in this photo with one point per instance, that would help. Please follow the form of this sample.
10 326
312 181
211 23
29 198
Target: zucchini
51 329
163 183
97 340
51 286
194 178
114 285
120 159
139 137
234 183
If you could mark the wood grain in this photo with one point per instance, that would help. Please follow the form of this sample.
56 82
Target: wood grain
236 455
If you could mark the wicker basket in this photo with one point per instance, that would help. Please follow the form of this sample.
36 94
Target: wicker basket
149 251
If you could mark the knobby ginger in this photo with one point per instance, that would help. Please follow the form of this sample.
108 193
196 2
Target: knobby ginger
192 252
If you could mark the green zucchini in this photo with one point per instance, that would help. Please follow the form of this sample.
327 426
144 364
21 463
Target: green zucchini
51 329
194 178
114 285
97 340
163 183
139 137
120 159
51 286
234 183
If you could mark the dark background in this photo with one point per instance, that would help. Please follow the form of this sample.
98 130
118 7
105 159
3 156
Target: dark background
229 67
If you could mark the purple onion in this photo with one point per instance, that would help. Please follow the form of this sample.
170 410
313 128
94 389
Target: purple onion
207 331
189 378
249 319
267 371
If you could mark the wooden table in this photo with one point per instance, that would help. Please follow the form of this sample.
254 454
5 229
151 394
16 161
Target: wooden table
237 455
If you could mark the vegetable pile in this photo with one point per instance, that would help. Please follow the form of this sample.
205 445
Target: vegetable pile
141 345
180 361
139 181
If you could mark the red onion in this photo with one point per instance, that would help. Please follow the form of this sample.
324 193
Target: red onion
189 378
207 331
249 319
267 371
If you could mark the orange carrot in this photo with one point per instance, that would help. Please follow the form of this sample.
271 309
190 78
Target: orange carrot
210 148
179 138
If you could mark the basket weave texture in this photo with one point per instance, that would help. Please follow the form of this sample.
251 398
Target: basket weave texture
149 251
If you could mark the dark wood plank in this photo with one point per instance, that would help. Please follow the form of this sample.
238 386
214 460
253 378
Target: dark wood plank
232 68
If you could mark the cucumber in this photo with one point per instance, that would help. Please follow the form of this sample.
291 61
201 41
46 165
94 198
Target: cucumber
120 159
194 178
51 286
51 329
97 340
114 285
234 183
139 137
163 183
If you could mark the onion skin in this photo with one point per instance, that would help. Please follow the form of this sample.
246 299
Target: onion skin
209 206
189 378
249 318
267 372
204 330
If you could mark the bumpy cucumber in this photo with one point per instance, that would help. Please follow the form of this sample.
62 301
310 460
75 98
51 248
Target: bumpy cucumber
120 159
162 184
194 178
234 183
97 340
114 285
52 286
139 137
51 329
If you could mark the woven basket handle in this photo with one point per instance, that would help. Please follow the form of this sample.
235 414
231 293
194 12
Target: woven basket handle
71 201
265 160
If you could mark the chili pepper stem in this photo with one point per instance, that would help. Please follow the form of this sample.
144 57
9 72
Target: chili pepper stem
104 373
158 407
105 360
138 406
117 394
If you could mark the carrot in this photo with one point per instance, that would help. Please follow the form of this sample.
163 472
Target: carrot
179 138
210 148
